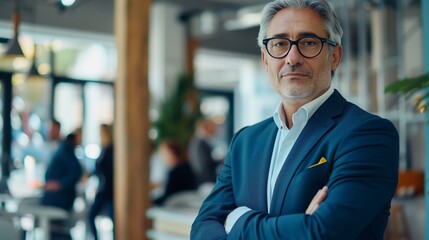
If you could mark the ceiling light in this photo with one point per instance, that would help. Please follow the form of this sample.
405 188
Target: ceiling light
34 73
14 48
67 3
246 17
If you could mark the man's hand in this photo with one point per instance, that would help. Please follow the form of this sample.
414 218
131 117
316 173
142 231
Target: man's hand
52 186
318 198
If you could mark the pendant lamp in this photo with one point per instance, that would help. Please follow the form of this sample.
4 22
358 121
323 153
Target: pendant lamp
14 48
33 73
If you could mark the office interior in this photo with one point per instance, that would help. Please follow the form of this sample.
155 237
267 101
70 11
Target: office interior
78 66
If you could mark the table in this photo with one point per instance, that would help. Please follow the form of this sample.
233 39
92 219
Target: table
4 197
171 223
25 200
44 214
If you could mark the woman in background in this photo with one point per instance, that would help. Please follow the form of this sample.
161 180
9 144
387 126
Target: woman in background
180 177
104 171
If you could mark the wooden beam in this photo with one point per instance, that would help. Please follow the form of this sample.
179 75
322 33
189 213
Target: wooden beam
131 119
191 48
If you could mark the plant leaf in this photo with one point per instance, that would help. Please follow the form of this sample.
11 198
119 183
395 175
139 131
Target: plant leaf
408 85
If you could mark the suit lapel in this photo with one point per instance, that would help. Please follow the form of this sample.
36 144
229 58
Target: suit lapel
316 127
265 143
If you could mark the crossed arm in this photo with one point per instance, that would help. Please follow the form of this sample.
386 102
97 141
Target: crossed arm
318 198
362 182
312 207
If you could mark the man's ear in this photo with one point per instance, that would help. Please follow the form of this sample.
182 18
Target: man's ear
264 59
336 57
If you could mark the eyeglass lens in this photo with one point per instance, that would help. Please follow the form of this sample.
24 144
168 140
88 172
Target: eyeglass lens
308 47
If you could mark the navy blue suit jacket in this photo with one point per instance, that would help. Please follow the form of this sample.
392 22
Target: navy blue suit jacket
361 170
66 169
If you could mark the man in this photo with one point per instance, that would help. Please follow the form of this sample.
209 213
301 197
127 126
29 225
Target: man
315 140
54 131
62 176
200 152
54 136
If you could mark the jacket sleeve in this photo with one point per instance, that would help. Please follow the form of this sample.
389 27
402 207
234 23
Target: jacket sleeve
209 224
362 183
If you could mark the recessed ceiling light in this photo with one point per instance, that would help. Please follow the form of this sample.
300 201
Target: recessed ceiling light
67 3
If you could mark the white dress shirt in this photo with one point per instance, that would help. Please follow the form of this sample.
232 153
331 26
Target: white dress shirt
285 139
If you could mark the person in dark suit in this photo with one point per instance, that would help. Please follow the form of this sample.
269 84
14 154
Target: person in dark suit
321 167
180 176
61 178
104 171
200 152
63 174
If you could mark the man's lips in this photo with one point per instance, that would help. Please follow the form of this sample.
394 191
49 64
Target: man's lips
294 75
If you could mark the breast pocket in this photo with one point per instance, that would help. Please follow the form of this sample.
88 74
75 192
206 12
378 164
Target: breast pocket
317 175
304 187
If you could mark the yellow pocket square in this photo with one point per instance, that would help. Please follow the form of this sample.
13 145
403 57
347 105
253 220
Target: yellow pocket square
321 161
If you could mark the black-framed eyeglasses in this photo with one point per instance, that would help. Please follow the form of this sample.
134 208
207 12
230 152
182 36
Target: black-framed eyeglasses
309 47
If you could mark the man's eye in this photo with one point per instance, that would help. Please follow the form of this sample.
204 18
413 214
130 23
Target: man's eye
280 43
309 42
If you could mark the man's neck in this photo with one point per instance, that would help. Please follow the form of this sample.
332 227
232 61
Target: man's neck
289 110
292 106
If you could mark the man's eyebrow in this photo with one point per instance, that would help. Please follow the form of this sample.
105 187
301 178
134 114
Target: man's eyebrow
308 34
300 35
280 35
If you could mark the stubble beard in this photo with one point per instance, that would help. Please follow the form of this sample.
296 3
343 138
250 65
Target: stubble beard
293 91
298 91
293 94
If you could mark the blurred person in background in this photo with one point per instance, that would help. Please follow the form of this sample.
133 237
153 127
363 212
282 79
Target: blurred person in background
55 133
200 152
54 138
180 175
158 172
103 201
62 176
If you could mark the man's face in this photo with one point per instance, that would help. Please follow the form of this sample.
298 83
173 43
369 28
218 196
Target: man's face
297 79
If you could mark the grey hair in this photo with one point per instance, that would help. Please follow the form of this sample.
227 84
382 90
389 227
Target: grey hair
332 24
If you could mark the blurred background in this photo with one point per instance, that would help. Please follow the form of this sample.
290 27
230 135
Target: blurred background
59 60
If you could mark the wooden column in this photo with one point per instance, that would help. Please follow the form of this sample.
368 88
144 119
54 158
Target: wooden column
191 48
131 119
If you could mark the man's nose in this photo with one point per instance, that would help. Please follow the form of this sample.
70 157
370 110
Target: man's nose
294 57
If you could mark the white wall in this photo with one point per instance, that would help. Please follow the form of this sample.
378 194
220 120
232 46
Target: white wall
167 50
242 74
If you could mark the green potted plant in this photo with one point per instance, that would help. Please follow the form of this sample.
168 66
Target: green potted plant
411 181
178 112
409 87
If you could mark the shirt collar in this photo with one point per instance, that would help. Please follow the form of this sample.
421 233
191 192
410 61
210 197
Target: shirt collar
308 109
312 106
279 116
